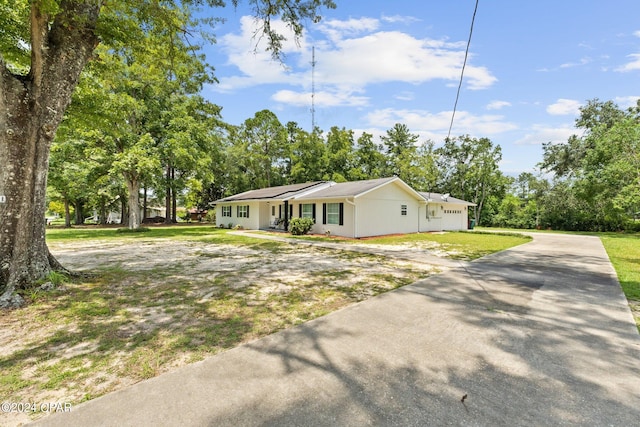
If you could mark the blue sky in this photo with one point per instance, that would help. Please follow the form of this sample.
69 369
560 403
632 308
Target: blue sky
531 65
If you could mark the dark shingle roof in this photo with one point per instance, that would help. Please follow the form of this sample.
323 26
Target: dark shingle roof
281 192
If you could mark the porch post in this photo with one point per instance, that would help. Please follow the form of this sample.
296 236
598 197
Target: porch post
286 215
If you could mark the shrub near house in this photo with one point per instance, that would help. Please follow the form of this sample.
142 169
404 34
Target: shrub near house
300 226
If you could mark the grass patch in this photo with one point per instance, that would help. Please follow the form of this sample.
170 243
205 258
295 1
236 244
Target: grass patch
467 245
461 245
132 230
178 232
624 253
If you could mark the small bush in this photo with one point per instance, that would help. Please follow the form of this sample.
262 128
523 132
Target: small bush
238 227
300 226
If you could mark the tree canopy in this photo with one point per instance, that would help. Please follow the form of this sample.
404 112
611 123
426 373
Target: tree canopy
45 46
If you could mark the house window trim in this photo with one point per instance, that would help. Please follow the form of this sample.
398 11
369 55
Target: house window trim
310 208
326 214
242 211
226 211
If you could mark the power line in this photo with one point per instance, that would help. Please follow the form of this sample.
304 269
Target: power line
313 89
464 64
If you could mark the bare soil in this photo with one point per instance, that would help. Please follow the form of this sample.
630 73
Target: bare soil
160 306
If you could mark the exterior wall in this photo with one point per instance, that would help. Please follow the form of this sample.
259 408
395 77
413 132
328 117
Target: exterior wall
454 217
264 210
379 212
444 220
251 223
345 230
433 220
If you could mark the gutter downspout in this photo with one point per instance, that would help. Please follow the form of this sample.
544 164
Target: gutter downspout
355 223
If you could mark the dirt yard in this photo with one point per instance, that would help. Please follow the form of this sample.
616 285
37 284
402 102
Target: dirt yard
155 305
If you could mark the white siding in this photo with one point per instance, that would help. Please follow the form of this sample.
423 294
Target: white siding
251 223
432 221
379 212
345 230
448 217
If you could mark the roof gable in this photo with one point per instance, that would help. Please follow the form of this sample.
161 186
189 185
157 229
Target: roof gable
357 189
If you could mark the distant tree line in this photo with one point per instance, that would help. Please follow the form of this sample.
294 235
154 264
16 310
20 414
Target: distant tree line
138 133
595 177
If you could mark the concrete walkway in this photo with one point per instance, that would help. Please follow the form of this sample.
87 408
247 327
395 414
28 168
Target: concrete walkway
536 335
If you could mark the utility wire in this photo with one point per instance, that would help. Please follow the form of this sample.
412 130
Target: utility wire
464 64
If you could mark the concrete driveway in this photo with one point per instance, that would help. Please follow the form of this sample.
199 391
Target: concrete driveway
540 334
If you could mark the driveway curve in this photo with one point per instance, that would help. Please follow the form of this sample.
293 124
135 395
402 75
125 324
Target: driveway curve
539 334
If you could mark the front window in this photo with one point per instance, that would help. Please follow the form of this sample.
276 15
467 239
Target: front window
226 211
243 211
333 213
307 211
403 210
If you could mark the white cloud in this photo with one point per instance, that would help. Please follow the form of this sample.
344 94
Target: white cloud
321 99
435 126
564 107
631 66
540 134
405 96
583 61
246 51
387 56
498 105
356 55
400 19
627 101
336 29
636 33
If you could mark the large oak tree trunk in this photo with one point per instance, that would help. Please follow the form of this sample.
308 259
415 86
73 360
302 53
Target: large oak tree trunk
167 200
133 185
31 108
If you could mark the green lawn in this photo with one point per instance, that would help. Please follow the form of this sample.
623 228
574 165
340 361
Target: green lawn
624 253
467 245
186 232
463 245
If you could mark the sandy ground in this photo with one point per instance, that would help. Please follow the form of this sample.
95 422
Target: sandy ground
252 265
253 272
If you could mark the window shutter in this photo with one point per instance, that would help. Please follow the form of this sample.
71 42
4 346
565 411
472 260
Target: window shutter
324 213
279 211
313 210
290 211
341 213
300 210
238 211
247 211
